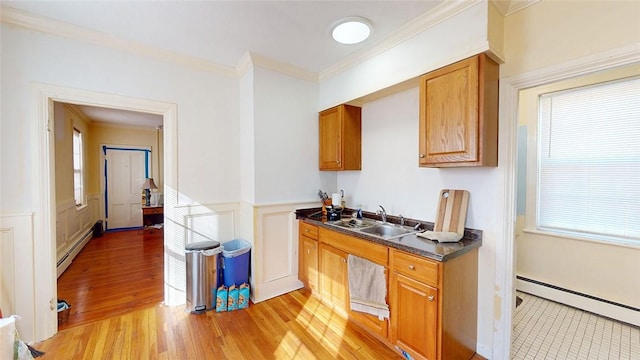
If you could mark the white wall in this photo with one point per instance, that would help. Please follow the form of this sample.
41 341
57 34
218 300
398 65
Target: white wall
390 176
208 141
286 139
207 136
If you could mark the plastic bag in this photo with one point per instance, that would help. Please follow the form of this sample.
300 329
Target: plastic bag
7 337
11 347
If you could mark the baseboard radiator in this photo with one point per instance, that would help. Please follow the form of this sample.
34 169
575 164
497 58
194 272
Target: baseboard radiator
68 257
596 305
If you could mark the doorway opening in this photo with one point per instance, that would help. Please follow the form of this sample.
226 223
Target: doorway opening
45 224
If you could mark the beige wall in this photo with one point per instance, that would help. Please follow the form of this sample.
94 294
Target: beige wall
103 134
552 33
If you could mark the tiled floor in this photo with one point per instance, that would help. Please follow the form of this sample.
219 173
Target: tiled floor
545 329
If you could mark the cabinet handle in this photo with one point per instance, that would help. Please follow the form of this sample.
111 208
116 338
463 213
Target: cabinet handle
411 267
308 251
421 155
430 298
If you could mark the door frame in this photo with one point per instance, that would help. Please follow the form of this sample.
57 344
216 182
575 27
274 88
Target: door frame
505 261
103 172
44 287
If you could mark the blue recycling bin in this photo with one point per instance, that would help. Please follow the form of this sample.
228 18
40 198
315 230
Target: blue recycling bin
236 256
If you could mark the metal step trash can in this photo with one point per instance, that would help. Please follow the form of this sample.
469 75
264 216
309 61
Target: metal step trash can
202 275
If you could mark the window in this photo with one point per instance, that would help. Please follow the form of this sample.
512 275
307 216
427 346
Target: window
78 174
588 161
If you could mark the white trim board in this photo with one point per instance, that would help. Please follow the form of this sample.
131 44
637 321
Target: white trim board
43 263
505 249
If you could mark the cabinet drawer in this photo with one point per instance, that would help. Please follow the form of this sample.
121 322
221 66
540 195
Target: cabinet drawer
308 230
415 267
355 246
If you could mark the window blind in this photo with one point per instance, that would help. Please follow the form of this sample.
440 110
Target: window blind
589 161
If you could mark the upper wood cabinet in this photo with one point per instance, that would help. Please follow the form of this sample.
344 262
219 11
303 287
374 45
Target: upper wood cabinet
340 138
459 114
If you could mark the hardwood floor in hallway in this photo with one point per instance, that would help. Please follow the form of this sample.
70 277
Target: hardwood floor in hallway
114 274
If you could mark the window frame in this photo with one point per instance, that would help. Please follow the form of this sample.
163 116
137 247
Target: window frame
81 168
529 112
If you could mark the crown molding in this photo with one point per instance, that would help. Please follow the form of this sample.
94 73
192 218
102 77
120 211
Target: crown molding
445 11
74 109
244 65
58 28
255 59
508 7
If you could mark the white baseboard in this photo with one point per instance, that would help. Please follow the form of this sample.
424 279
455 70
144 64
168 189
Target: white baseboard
275 288
484 351
600 307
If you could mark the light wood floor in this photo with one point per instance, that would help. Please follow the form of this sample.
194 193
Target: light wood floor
291 326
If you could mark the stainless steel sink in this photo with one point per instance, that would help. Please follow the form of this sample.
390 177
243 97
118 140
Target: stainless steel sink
353 223
387 230
373 228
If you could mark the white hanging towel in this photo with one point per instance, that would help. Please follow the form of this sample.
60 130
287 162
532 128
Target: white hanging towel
367 287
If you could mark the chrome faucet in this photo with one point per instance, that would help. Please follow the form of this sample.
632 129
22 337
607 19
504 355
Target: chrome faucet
382 213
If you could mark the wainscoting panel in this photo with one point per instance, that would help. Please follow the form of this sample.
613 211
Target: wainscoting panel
7 271
73 229
216 226
275 250
186 224
17 293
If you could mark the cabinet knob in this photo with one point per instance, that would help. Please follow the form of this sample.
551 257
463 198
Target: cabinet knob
308 251
338 161
430 298
411 267
306 230
344 260
421 155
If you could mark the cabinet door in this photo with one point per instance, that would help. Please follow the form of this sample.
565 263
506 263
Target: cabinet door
449 114
331 139
333 277
308 263
371 322
341 138
414 316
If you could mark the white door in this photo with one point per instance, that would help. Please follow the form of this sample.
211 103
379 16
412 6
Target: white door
126 170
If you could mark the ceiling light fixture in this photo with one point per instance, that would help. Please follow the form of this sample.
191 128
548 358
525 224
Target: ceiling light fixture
351 30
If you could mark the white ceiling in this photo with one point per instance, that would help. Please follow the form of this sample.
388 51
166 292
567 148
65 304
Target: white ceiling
222 32
291 32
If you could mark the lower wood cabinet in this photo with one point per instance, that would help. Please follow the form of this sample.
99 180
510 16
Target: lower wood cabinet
308 263
414 316
433 305
371 322
334 283
308 255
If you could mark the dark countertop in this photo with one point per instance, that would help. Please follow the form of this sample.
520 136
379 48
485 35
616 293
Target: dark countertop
410 243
